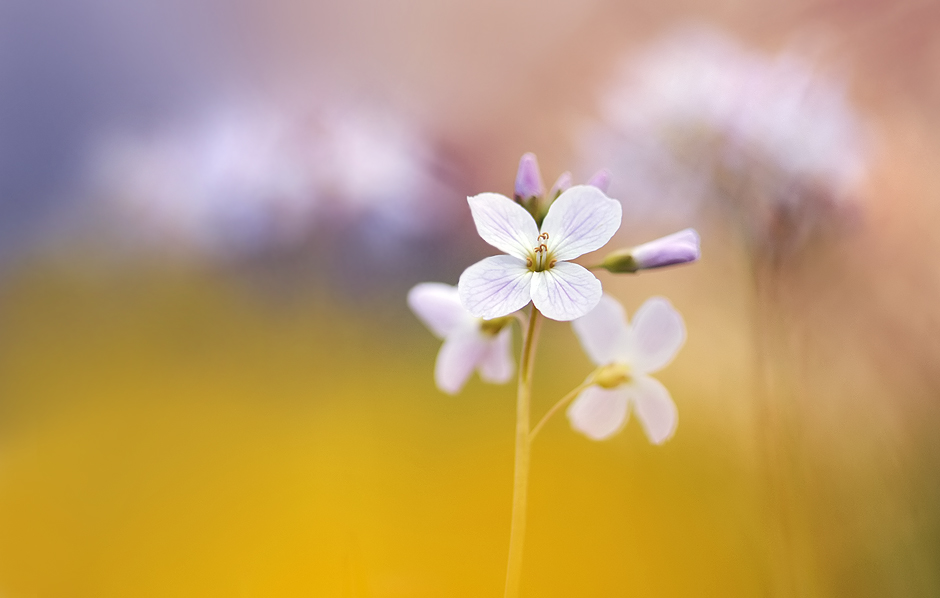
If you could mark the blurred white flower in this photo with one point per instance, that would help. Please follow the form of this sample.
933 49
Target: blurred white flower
626 355
700 117
581 220
250 177
469 342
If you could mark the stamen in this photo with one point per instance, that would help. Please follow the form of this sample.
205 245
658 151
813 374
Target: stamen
528 262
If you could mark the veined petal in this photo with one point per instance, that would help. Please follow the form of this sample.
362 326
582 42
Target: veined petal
495 286
504 224
581 220
603 331
497 365
565 292
460 354
654 408
438 306
656 336
599 413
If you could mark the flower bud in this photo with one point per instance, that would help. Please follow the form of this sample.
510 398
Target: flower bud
601 180
561 185
678 248
528 178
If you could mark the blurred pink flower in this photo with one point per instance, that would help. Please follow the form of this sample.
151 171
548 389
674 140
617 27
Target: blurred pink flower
700 117
626 354
250 176
469 342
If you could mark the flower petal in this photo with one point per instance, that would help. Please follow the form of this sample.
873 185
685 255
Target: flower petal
603 331
565 292
497 365
460 354
504 224
581 220
438 306
599 413
495 286
656 336
653 407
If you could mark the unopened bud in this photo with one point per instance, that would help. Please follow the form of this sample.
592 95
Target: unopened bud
678 248
528 178
601 180
561 185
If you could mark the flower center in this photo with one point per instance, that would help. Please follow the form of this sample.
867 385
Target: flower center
612 375
540 259
492 327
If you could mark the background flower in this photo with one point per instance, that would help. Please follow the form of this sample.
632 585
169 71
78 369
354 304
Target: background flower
627 354
469 343
699 117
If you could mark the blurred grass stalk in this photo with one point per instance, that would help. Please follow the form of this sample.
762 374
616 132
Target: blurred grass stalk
781 393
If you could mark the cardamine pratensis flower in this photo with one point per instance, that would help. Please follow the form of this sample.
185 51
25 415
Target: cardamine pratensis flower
469 342
626 355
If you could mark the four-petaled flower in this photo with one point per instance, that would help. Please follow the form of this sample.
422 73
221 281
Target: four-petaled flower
470 343
627 355
581 220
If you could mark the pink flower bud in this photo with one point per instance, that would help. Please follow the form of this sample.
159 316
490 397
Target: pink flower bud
678 248
561 185
601 180
528 178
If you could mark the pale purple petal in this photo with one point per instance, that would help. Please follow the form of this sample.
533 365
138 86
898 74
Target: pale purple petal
565 292
504 224
528 178
497 365
601 180
438 306
653 407
603 331
581 220
656 335
460 354
495 286
599 413
678 248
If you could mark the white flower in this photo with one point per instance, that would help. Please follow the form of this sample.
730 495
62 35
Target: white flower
581 220
627 355
469 342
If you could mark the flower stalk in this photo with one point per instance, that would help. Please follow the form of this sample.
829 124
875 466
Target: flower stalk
523 449
560 405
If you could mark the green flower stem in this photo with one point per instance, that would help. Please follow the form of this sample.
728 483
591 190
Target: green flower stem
523 447
559 405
